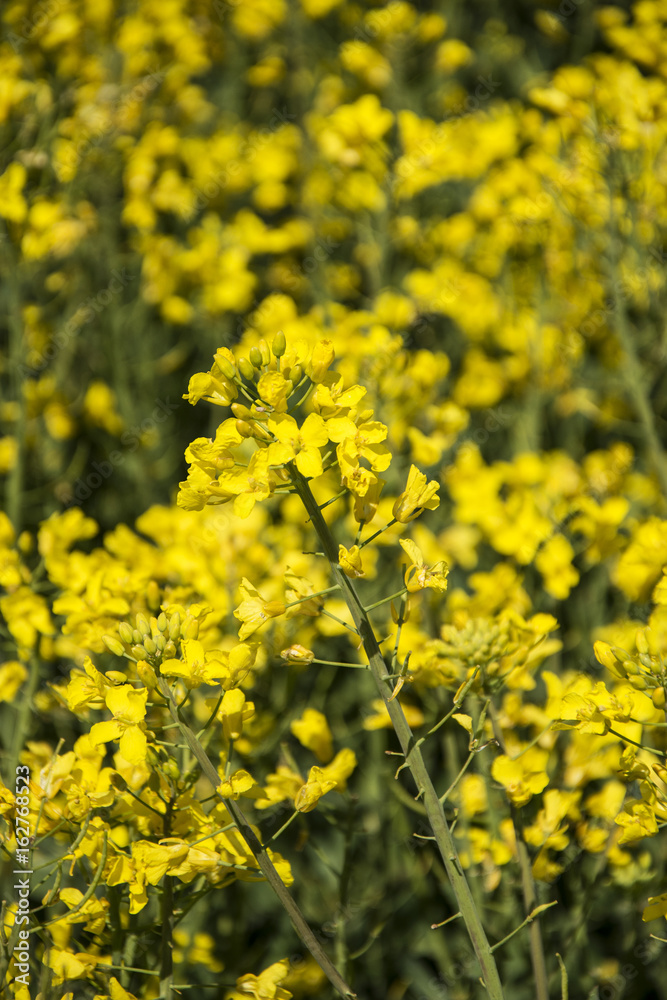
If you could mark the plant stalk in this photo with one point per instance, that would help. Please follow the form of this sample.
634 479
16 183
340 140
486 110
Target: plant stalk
411 752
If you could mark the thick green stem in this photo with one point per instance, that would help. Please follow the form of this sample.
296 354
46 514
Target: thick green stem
259 851
411 752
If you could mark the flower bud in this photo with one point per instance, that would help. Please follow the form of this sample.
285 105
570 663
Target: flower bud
147 675
191 630
241 412
255 357
137 637
125 632
244 428
279 345
142 624
264 352
226 367
296 374
321 360
246 369
169 651
175 626
114 645
658 697
149 646
298 654
139 653
160 642
162 622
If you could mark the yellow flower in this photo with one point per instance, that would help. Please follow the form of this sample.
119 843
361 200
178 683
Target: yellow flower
254 611
129 709
240 783
524 777
266 986
233 713
554 562
312 731
638 821
197 667
349 561
12 676
299 444
418 495
657 907
311 793
417 575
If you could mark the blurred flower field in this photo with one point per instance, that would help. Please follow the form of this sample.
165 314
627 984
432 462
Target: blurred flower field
333 462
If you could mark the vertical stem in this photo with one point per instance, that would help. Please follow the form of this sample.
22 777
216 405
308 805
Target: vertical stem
527 883
412 753
166 953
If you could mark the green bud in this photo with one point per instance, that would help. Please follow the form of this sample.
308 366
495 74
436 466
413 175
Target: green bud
296 374
227 368
192 630
125 632
246 369
149 646
162 622
142 624
160 642
137 637
175 626
255 357
114 645
264 351
279 345
169 651
139 653
241 412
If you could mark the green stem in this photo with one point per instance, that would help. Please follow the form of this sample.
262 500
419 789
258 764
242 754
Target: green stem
411 753
167 943
528 887
259 851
